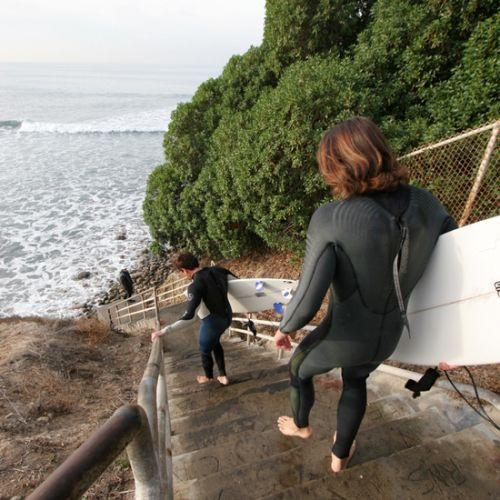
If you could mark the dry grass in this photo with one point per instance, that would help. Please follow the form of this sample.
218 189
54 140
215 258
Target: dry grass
59 381
92 329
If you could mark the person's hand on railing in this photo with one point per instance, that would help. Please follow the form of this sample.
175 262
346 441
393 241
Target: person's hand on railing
282 341
156 334
159 333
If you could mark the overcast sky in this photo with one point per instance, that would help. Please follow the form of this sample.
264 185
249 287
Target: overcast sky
188 32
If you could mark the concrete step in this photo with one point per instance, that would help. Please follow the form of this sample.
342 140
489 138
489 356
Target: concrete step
463 465
186 358
385 388
307 461
236 450
236 368
259 370
273 397
219 434
231 452
203 397
323 420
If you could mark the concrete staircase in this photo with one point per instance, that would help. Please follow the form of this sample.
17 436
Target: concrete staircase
226 444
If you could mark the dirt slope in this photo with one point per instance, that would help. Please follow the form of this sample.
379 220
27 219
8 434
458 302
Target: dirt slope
59 381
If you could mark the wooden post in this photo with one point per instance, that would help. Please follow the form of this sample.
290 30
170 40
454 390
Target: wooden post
480 174
143 306
157 309
128 312
118 315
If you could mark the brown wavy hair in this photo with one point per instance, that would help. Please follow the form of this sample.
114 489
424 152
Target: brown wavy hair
355 158
185 260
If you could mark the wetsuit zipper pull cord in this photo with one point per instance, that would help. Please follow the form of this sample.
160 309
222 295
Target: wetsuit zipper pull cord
395 275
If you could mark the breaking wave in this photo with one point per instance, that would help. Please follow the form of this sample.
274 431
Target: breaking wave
144 122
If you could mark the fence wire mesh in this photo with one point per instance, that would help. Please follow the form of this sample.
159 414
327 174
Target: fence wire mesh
462 171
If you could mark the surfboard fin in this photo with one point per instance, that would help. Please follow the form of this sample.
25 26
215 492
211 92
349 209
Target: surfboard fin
278 307
424 384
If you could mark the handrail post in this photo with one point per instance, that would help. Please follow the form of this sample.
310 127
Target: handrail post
110 318
480 174
157 308
164 435
143 306
128 312
144 463
147 389
118 315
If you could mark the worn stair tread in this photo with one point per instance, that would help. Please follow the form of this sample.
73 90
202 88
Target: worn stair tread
232 451
242 448
197 397
462 465
188 357
311 459
236 368
219 434
183 359
322 419
273 396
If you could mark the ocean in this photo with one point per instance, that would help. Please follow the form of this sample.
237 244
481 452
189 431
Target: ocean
77 144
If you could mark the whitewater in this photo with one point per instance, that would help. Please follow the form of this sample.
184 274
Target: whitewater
77 144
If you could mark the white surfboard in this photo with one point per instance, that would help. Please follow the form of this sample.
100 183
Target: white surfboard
259 294
454 311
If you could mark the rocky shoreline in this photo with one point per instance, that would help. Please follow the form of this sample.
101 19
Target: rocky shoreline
150 271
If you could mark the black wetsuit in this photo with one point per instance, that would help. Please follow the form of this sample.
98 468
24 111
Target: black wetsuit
351 247
210 286
127 283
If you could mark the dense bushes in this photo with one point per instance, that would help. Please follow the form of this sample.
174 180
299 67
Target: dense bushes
240 167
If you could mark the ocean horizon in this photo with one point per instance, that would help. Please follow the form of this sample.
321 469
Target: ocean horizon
77 144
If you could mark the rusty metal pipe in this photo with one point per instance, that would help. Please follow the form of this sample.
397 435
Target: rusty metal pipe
77 473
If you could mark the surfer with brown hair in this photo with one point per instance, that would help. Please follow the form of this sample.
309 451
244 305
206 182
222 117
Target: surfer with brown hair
368 250
207 297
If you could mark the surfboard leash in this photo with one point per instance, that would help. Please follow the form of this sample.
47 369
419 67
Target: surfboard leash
429 378
424 384
481 413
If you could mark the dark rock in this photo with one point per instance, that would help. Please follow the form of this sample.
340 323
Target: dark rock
83 275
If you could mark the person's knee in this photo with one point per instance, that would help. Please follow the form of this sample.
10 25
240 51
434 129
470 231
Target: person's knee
205 349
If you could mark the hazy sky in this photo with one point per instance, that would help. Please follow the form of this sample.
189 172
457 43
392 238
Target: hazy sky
129 31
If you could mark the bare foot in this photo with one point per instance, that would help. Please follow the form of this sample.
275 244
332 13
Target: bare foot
339 464
287 427
223 380
201 379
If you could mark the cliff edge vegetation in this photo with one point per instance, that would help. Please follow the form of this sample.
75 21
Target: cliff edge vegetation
240 170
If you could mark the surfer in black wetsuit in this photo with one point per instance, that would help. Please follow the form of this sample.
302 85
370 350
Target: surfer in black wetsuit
127 283
368 250
207 296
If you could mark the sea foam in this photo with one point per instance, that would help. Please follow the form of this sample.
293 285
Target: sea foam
142 122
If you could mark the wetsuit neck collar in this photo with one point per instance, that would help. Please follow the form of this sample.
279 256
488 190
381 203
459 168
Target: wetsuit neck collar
189 273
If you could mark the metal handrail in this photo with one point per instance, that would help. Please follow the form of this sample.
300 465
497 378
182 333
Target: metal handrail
143 429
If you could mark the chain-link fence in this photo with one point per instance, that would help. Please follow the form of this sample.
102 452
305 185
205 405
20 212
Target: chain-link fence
462 171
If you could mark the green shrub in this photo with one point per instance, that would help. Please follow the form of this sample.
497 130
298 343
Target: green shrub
240 169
